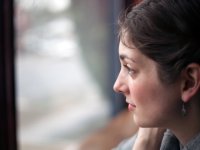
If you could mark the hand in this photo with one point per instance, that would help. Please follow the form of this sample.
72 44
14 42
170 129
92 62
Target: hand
149 138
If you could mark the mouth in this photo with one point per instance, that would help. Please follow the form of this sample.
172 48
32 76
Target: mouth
131 107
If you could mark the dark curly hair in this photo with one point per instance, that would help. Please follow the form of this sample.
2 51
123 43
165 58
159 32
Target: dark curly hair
166 31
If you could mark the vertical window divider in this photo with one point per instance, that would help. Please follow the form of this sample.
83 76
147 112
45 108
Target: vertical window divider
8 140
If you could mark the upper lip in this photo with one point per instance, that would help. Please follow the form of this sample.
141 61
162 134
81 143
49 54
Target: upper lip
130 103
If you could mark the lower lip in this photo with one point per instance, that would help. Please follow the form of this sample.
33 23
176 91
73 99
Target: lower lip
131 107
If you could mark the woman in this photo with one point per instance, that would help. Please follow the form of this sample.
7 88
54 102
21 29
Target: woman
159 52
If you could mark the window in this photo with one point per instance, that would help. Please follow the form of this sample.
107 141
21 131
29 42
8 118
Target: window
30 46
62 71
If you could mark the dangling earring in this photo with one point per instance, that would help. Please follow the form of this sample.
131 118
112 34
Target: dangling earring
183 110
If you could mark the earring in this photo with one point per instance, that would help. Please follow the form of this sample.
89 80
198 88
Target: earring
183 110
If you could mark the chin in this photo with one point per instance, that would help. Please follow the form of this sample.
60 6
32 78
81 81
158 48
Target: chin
144 123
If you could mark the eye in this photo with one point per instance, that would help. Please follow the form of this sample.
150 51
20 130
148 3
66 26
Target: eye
130 71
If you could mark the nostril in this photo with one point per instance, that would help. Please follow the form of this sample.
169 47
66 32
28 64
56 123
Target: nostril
118 86
117 89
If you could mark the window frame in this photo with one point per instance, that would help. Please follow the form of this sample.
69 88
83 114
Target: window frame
8 140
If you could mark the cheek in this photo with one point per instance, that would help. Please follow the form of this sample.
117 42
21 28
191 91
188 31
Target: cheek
142 92
150 97
155 105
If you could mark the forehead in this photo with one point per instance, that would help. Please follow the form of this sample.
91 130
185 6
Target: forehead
130 52
134 55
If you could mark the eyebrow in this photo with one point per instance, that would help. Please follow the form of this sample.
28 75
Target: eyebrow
122 57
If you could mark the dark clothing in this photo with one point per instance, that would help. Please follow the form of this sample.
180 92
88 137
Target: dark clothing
169 142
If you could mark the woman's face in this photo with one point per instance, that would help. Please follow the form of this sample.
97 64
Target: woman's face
153 103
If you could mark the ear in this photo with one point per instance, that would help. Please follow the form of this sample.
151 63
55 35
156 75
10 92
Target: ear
190 82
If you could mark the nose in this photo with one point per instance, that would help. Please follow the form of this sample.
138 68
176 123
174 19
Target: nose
119 85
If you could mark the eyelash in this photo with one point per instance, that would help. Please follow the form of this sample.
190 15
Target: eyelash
130 71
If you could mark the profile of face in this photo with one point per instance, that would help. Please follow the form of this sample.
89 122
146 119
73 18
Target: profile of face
153 103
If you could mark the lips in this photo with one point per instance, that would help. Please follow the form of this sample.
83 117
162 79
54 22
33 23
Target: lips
131 107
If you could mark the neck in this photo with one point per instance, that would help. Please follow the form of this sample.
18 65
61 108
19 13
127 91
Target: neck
187 127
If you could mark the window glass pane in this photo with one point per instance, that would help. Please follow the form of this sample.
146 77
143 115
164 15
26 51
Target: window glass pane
61 71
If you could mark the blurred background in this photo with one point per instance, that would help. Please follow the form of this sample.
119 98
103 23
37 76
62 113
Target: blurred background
66 64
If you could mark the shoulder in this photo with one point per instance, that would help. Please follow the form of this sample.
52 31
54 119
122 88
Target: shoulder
126 144
169 142
193 144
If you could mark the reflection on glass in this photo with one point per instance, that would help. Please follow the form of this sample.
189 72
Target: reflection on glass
59 99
